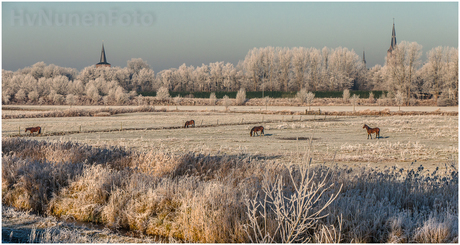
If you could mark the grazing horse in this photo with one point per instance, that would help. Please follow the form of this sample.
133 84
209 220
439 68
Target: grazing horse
189 123
256 129
34 129
370 131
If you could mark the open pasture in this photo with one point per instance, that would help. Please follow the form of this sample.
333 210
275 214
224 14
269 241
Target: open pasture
177 183
405 141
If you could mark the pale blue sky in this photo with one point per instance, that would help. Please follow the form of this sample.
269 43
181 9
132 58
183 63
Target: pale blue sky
196 33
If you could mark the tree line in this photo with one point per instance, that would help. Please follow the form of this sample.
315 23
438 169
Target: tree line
263 69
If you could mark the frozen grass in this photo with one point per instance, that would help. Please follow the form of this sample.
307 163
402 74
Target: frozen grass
72 112
197 197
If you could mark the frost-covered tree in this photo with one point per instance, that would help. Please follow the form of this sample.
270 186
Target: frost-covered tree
375 78
33 96
310 97
343 67
20 96
201 75
229 76
440 73
226 101
120 95
285 57
92 92
216 77
136 64
143 80
399 99
299 63
252 67
354 100
314 69
70 99
400 67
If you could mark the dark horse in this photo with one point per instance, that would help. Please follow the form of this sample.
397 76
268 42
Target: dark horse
189 123
370 131
34 129
256 129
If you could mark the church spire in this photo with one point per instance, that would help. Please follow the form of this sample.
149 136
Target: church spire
393 38
103 58
103 62
364 58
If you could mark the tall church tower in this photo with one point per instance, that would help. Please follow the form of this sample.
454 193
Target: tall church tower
103 62
393 39
364 59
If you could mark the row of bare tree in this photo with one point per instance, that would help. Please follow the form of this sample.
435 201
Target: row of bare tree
269 69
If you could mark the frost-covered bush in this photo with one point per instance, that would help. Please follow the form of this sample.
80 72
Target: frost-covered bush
212 99
346 95
226 102
371 97
240 97
302 95
163 93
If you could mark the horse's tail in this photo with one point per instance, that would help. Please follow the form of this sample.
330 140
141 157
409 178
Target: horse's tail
185 124
263 131
39 130
251 132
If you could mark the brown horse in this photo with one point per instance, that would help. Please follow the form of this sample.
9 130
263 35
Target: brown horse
370 131
34 129
257 129
189 123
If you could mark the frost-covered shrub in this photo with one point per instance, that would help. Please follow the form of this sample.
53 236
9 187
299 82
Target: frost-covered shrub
302 96
371 97
240 97
346 95
226 102
212 99
163 93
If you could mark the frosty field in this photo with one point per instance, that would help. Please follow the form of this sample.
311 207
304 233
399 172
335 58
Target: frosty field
406 141
142 173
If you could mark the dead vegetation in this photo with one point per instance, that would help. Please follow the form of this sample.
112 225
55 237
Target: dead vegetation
185 195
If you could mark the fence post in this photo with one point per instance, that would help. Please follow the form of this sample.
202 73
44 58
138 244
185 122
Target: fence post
19 130
217 121
121 126
201 122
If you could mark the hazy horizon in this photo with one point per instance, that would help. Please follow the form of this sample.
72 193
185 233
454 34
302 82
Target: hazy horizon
166 35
